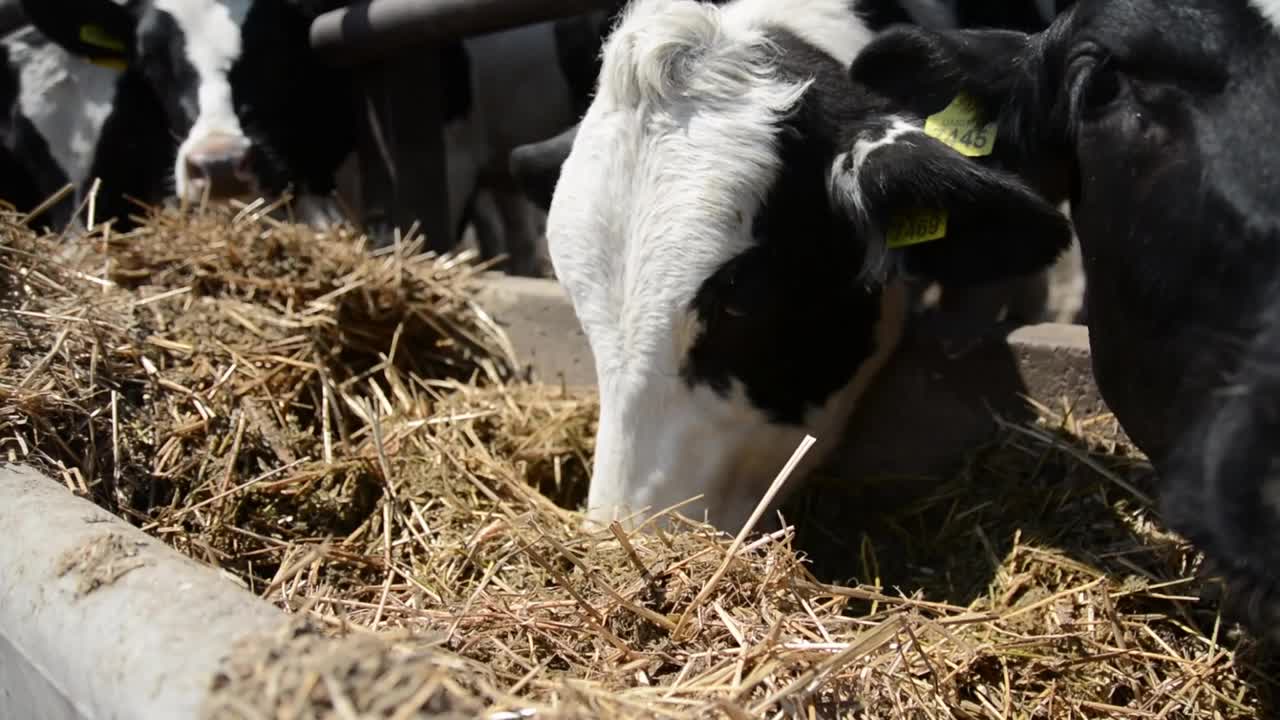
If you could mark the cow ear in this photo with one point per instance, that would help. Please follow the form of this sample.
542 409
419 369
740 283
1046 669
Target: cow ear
918 68
1002 71
100 31
947 217
536 166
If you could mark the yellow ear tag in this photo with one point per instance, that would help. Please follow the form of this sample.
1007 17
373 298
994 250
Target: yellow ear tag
959 125
917 226
98 37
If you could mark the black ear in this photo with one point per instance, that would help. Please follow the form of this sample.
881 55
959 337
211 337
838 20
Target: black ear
98 30
1008 76
904 63
951 219
536 166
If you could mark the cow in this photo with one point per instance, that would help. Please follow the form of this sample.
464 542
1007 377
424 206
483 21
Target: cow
1152 117
199 98
732 226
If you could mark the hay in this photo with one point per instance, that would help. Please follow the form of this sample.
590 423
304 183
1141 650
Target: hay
346 433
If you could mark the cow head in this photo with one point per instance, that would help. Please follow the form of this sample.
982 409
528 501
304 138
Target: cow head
1154 117
723 226
250 109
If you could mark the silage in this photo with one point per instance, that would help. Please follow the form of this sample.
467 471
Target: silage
347 433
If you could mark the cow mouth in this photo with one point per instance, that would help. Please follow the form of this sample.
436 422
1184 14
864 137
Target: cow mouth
243 189
219 167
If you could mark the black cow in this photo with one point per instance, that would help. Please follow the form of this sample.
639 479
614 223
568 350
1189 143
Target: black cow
208 98
1153 118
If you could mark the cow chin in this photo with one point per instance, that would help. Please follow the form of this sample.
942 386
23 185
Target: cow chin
662 444
711 456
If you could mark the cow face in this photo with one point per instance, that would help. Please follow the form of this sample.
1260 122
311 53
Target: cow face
721 226
250 110
1154 118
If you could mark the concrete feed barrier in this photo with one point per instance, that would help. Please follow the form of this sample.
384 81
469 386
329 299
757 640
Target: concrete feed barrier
98 621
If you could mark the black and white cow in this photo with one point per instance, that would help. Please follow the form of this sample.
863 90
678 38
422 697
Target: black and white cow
1154 118
723 226
217 98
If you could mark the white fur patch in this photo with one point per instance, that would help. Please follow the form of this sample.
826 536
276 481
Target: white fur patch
845 184
211 30
66 98
1270 10
668 169
845 187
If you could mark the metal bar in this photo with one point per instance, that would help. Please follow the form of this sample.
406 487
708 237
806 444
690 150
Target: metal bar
378 28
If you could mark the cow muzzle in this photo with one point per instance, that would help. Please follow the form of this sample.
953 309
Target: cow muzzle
219 165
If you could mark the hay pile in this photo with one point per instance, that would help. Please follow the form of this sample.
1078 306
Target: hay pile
345 432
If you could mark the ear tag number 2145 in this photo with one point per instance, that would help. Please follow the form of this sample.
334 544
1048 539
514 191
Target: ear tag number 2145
959 125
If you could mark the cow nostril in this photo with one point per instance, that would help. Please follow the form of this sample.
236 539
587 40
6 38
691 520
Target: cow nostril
196 171
244 166
223 169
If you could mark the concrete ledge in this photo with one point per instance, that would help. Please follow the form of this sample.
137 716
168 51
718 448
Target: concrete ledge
99 621
537 316
933 402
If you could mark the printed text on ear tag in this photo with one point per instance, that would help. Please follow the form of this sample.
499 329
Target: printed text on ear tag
98 37
917 226
959 125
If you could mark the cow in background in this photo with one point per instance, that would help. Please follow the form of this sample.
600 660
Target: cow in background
198 98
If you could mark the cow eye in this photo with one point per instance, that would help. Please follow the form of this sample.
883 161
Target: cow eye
736 290
1102 86
733 292
1095 82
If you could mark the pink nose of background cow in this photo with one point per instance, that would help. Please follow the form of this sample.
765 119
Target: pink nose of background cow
219 164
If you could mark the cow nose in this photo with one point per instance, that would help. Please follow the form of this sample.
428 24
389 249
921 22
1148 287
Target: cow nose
220 163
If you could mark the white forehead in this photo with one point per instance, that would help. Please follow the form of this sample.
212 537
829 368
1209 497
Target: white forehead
1270 10
211 29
